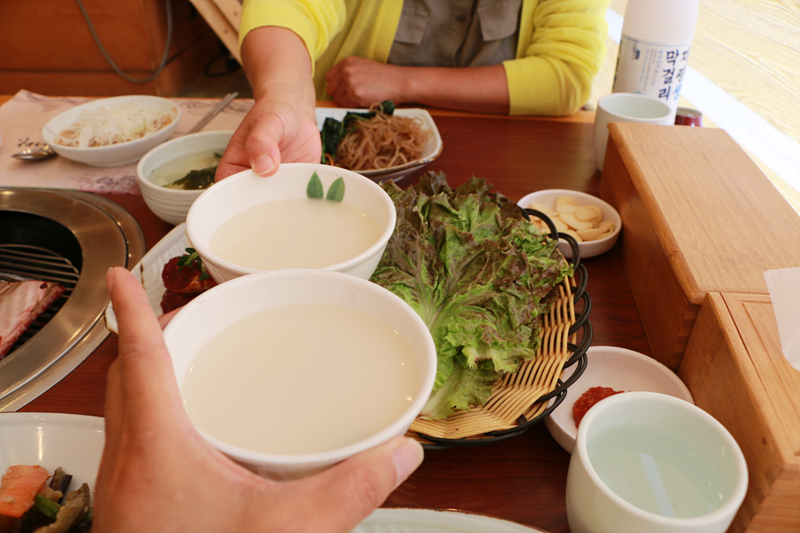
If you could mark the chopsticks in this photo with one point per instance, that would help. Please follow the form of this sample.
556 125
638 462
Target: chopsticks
222 104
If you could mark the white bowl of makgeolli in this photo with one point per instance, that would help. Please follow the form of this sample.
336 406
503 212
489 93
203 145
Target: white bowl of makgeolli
290 371
304 216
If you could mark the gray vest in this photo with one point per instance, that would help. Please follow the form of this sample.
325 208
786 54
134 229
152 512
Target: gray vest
456 33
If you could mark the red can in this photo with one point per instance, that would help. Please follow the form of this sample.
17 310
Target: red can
687 116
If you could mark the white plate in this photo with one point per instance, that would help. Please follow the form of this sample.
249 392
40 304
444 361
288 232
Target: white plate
50 440
113 154
148 270
432 149
620 369
428 521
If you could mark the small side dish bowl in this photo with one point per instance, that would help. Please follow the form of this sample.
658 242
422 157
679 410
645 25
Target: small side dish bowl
172 160
50 440
433 148
619 369
113 154
241 192
547 198
286 434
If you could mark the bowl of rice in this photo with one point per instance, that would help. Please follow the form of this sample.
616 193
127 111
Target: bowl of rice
112 131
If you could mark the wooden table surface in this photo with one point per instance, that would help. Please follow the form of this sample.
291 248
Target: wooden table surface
521 479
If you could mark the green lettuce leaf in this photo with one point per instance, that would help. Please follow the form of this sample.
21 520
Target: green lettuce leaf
480 276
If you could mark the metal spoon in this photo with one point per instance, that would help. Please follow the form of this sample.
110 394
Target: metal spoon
36 154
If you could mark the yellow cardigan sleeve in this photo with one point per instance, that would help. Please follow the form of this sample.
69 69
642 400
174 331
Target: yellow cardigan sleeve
561 47
316 22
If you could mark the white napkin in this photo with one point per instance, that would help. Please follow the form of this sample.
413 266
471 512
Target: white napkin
784 291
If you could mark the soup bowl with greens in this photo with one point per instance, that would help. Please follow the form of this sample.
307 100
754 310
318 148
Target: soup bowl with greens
174 174
305 216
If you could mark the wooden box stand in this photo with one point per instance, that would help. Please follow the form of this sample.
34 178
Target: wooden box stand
698 216
736 371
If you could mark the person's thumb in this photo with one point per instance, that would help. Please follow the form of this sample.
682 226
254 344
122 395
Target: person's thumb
346 493
263 146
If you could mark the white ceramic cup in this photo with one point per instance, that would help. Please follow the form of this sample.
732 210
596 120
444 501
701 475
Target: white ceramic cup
625 107
630 442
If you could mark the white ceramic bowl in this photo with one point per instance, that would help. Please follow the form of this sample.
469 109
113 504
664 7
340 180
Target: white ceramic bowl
433 148
216 309
246 189
619 369
172 205
115 154
50 440
650 462
548 198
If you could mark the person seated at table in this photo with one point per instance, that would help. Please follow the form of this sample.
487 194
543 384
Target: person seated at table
518 57
158 474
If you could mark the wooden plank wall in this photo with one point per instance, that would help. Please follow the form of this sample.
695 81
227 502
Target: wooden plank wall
46 46
751 50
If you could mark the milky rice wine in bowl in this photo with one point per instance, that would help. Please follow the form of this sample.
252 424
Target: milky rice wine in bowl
305 216
290 371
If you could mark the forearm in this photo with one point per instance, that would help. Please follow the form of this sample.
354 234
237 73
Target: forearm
278 65
478 89
281 125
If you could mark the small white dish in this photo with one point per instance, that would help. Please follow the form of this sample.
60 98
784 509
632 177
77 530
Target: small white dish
148 271
401 520
214 311
50 440
397 173
588 249
172 205
247 189
619 369
113 154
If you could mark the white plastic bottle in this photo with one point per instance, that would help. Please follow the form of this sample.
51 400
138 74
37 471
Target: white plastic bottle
654 50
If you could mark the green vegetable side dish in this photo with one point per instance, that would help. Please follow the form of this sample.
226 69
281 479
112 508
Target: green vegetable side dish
480 276
315 190
334 130
196 179
72 513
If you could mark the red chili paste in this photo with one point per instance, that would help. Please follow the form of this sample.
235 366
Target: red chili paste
588 399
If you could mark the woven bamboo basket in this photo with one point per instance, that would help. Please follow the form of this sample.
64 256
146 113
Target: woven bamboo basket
526 397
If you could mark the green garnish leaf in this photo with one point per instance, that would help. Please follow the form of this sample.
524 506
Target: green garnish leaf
314 188
336 192
192 259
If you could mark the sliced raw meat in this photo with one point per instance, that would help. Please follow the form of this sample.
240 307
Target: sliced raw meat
21 302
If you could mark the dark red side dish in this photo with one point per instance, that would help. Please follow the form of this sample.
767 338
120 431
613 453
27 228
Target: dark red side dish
588 399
